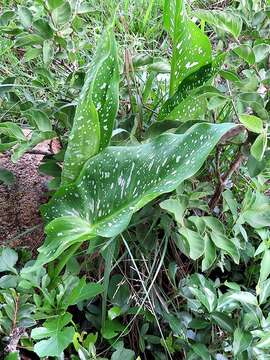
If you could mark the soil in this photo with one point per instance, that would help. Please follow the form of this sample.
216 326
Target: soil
20 220
19 203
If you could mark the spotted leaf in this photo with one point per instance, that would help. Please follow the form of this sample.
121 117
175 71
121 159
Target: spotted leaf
118 182
189 100
224 20
96 109
191 49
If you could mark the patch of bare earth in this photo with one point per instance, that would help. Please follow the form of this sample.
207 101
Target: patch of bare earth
20 219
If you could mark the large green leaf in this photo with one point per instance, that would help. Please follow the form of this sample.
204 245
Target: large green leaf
259 146
256 210
83 291
252 123
174 107
36 138
265 266
119 181
12 130
189 100
191 49
195 242
246 53
8 259
57 336
241 341
6 177
96 109
224 20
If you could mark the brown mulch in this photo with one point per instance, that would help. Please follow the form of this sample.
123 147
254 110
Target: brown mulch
20 220
19 203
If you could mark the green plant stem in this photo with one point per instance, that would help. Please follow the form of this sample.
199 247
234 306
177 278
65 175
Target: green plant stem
108 257
67 255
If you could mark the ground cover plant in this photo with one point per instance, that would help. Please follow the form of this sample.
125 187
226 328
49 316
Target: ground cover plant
156 227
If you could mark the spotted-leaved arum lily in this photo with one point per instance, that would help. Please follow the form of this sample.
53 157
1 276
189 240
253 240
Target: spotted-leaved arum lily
96 109
118 182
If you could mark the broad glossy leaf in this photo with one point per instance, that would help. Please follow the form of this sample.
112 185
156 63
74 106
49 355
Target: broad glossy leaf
223 320
229 75
261 51
209 253
263 290
201 350
12 130
123 353
48 52
256 167
32 53
6 177
111 329
254 101
36 138
222 242
42 28
195 242
96 110
223 20
257 211
121 180
13 356
193 106
6 17
83 291
25 16
252 123
39 119
191 48
206 296
8 259
176 207
264 343
114 312
246 53
53 4
8 281
258 148
244 298
25 39
265 266
61 14
57 336
241 341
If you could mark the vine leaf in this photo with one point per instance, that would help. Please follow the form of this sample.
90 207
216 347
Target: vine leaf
96 110
121 180
191 49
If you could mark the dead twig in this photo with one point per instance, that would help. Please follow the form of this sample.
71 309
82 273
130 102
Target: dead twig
16 332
